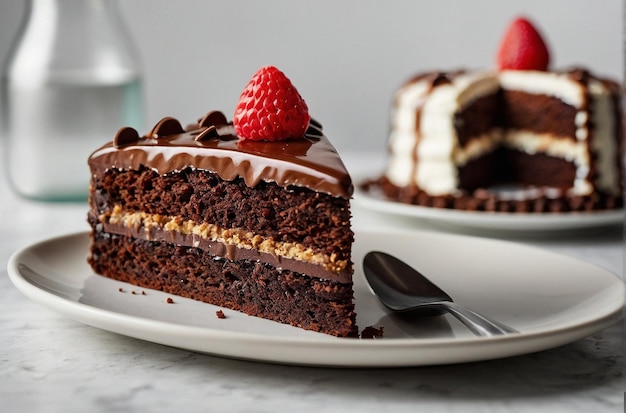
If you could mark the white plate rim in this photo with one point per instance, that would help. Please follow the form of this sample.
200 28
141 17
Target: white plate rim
333 352
526 222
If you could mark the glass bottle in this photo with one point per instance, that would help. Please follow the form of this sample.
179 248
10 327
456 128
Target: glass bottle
72 79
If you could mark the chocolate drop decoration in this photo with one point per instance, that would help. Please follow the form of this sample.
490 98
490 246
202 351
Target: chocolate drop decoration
207 134
125 136
315 123
166 127
213 118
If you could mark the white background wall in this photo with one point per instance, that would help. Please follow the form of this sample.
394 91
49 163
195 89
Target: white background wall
345 56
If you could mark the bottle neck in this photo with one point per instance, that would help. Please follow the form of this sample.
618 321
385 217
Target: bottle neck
73 38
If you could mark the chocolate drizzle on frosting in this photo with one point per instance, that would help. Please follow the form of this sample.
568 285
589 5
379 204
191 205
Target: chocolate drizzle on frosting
212 145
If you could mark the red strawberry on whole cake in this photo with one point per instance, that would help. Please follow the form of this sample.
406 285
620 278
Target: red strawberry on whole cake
522 48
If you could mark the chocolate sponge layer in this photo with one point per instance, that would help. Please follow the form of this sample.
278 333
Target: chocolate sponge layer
538 113
250 286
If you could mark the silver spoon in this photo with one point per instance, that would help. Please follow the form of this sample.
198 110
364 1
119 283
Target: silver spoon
403 288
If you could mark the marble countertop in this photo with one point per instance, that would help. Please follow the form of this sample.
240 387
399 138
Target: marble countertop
53 364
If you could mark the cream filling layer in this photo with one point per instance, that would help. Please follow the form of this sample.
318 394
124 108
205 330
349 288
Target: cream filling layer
228 236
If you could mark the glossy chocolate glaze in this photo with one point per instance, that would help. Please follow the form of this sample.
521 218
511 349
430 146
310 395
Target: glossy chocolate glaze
211 144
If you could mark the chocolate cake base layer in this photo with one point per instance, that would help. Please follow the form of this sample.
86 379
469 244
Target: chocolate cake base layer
504 166
537 169
481 172
484 200
252 287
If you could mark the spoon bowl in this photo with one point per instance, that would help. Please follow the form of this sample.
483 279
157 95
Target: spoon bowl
402 288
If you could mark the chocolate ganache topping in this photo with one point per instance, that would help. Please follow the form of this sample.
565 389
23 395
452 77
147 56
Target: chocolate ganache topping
212 145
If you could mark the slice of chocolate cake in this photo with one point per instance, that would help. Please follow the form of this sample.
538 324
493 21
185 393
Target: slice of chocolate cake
258 226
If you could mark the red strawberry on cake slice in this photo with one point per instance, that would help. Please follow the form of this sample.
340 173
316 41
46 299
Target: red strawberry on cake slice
270 108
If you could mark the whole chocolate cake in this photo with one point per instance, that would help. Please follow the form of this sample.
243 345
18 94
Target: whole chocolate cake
520 139
251 224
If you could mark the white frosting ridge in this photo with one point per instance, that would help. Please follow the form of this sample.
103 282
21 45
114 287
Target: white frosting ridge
604 145
437 156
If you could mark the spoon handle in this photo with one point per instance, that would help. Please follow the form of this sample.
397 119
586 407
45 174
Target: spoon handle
477 323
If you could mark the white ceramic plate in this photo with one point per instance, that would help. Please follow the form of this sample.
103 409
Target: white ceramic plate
550 299
492 221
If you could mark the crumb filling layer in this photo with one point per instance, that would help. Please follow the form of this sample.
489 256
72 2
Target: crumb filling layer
229 243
